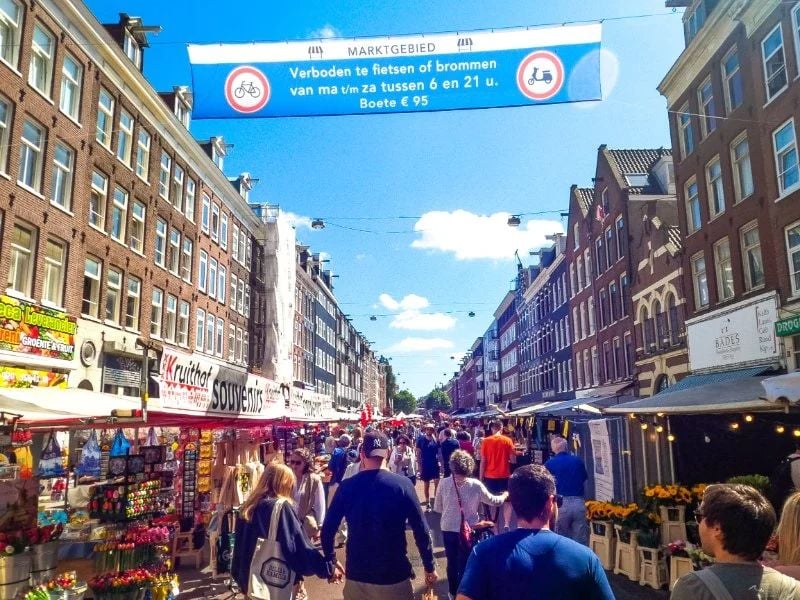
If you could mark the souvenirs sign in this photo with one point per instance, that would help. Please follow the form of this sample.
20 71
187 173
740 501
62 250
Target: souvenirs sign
32 329
416 73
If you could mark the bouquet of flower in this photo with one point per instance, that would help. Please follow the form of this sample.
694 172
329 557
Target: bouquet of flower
12 543
125 581
668 495
44 534
678 548
598 510
697 491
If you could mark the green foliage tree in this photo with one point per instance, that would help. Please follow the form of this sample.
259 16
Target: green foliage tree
404 401
438 399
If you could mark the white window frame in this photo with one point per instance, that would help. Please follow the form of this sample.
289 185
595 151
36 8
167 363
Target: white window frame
174 251
99 197
23 262
94 301
119 208
113 298
156 312
69 101
222 286
205 213
715 188
138 224
234 290
231 342
778 153
199 329
215 222
212 278
210 331
125 137
765 59
746 250
794 274
62 176
685 130
723 268
235 243
160 247
737 163
184 312
691 201
696 281
202 271
187 259
223 231
54 273
220 341
31 157
105 118
171 319
6 115
191 198
133 296
42 61
708 120
143 142
9 52
727 78
164 169
178 182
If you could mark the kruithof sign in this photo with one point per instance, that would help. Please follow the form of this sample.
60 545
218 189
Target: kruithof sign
405 74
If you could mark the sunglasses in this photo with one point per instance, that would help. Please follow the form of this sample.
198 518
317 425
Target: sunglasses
559 500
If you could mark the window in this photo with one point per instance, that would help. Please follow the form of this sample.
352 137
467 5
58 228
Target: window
210 334
611 247
160 256
113 291
613 299
238 353
620 232
199 329
705 102
235 243
205 215
92 271
163 176
751 256
137 226
732 80
587 369
105 118
242 244
202 271
248 252
132 50
231 342
223 231
54 272
143 154
724 269
742 173
623 286
174 252
220 336
240 298
693 219
793 252
587 261
693 21
716 193
685 131
5 123
774 60
132 296
190 200
215 222
580 273
223 284
590 310
603 309
23 259
30 156
600 255
119 214
177 187
125 137
10 31
61 183
700 280
186 259
71 82
212 277
784 144
155 312
40 72
234 289
579 370
97 200
247 300
171 320
183 324
572 281
576 236
182 112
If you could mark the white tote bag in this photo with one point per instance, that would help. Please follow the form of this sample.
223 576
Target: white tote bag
270 576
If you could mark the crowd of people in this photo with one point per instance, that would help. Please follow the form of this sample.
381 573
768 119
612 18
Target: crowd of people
506 530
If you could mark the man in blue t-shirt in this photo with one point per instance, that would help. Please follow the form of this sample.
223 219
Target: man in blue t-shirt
570 474
532 560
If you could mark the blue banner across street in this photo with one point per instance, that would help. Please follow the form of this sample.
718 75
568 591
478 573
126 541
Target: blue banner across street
450 71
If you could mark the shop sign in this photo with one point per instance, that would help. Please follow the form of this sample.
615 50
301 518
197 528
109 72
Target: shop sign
742 335
787 327
122 371
309 406
32 329
14 377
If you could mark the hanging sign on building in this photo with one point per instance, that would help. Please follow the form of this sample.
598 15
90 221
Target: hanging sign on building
737 336
601 457
27 328
416 73
13 377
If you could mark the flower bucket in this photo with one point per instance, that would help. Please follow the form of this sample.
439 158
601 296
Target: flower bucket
673 513
602 528
44 560
75 593
15 574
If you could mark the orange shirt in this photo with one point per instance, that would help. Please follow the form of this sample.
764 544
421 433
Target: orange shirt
496 451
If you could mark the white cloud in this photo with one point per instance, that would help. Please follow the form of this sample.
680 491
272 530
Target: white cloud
469 236
327 31
297 221
410 315
416 344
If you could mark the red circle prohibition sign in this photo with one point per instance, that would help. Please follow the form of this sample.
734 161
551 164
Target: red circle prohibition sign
247 90
558 80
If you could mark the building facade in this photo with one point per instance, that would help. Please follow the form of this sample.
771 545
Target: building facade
507 319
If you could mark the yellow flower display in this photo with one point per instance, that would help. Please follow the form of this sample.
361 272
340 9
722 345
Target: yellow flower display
669 495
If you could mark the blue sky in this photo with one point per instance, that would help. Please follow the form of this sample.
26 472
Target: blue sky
445 169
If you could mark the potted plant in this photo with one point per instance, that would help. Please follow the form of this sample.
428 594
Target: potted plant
760 482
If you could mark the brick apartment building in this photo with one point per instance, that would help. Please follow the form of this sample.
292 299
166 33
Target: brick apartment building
507 318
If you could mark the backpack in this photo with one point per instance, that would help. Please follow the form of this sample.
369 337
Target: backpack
781 484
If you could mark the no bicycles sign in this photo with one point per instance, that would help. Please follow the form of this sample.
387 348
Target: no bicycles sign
247 89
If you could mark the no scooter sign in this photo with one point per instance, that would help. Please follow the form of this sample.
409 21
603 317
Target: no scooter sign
247 89
540 75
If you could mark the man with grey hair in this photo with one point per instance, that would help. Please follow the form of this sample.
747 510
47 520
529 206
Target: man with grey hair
570 474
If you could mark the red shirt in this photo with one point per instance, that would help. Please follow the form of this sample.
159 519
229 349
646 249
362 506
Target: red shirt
496 452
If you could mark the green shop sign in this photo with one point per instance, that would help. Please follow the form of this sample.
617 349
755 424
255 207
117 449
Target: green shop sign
786 327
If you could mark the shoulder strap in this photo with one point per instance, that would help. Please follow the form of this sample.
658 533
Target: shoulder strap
714 584
273 522
460 506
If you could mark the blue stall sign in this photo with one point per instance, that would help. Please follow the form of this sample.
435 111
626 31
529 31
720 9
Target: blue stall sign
451 71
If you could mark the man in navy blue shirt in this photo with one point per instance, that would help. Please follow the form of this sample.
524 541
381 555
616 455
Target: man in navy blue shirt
570 474
377 504
532 561
448 446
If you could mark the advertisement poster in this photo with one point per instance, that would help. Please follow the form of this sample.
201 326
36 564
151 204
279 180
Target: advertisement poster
415 73
32 329
601 455
14 377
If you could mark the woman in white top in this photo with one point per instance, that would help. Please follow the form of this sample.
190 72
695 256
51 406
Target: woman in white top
471 493
403 460
309 502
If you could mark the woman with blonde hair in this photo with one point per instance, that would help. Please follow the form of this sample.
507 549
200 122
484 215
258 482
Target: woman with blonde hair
789 538
255 513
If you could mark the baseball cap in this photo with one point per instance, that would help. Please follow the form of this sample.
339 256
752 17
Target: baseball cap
375 444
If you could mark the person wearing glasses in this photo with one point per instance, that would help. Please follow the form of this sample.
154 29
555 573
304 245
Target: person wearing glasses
460 496
532 559
403 460
735 524
570 474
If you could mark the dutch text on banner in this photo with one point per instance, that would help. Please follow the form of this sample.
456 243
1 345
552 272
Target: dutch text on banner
451 71
601 455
